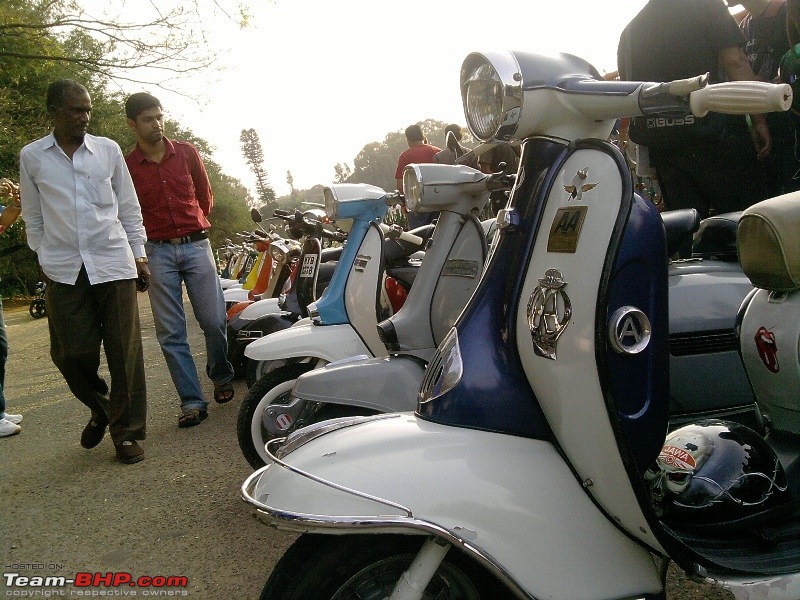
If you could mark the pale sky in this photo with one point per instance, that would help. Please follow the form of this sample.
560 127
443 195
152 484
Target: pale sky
319 79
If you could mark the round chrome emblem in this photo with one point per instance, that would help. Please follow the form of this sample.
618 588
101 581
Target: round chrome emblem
629 330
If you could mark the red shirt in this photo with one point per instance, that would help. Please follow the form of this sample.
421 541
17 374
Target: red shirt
416 155
175 194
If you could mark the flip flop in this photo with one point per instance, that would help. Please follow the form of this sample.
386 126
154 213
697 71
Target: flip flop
223 393
192 417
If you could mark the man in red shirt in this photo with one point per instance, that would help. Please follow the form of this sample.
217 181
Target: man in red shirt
419 151
175 196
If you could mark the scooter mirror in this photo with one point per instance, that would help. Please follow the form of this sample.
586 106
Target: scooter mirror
255 215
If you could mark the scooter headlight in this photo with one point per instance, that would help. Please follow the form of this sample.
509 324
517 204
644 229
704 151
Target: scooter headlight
331 204
278 251
412 187
445 369
491 93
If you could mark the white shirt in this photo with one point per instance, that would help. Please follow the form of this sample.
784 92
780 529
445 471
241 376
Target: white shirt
81 211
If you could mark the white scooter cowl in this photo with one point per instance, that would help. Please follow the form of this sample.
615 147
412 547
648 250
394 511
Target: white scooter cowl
238 294
512 503
384 384
304 338
259 308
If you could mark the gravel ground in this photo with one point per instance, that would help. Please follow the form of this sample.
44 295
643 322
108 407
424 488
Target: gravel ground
178 513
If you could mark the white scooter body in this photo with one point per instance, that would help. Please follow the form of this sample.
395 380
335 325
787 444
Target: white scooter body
560 513
443 481
333 342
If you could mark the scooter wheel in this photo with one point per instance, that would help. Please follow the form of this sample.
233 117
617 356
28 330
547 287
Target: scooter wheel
37 309
368 567
273 388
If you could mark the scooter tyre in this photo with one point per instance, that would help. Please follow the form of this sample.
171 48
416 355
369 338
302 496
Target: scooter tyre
340 567
272 388
37 309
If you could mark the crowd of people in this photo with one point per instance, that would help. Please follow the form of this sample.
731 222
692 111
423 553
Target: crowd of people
717 163
104 226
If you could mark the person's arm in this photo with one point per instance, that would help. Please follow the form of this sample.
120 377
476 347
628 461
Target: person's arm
12 209
736 65
32 207
202 186
793 22
128 211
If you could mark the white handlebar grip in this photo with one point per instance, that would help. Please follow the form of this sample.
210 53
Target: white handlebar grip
741 97
411 238
395 230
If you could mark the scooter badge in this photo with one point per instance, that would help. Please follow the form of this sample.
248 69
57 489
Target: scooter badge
549 311
578 185
629 330
767 348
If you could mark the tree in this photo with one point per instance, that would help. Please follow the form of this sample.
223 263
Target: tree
156 49
254 155
290 181
342 172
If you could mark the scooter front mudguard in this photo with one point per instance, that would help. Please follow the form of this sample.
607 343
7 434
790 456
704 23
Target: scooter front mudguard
509 502
328 342
385 384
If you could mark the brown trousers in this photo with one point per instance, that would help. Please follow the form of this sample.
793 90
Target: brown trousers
81 316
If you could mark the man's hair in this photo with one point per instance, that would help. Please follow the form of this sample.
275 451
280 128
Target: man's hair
414 133
57 91
137 103
456 129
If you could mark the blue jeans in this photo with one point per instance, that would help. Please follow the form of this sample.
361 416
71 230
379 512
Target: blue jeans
3 359
192 264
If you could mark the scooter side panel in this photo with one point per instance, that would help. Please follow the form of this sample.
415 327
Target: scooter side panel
329 342
386 384
566 383
542 528
361 295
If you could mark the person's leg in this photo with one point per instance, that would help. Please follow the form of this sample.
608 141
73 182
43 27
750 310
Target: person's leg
208 305
166 301
3 359
677 177
75 339
118 311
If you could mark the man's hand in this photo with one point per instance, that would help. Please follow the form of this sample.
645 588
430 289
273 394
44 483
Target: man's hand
143 279
760 134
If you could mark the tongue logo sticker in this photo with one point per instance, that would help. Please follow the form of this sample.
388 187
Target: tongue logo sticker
767 348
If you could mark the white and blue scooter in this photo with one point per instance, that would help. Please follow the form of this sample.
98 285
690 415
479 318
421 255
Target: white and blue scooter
537 463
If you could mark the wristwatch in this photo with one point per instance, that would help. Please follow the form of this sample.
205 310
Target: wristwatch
142 259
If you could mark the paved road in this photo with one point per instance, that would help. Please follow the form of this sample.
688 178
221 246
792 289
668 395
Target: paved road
67 510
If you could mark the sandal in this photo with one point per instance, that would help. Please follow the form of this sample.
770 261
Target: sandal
223 392
192 417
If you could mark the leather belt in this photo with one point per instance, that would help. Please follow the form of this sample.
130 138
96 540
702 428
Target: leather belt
192 237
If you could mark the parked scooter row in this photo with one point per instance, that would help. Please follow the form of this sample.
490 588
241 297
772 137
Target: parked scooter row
539 461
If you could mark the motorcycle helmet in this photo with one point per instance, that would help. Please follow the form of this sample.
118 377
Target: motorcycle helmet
714 472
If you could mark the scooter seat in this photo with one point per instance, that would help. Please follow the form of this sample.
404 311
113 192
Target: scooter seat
716 237
769 243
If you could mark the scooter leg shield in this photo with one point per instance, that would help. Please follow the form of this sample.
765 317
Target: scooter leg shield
443 480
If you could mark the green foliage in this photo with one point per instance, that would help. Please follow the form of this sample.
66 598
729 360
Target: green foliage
254 156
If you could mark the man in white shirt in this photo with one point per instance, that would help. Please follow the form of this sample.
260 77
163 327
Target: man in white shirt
84 222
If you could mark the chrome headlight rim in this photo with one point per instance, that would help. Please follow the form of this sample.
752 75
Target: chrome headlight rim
503 67
331 203
412 187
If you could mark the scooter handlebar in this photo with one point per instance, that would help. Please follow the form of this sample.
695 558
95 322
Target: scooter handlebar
741 97
396 232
